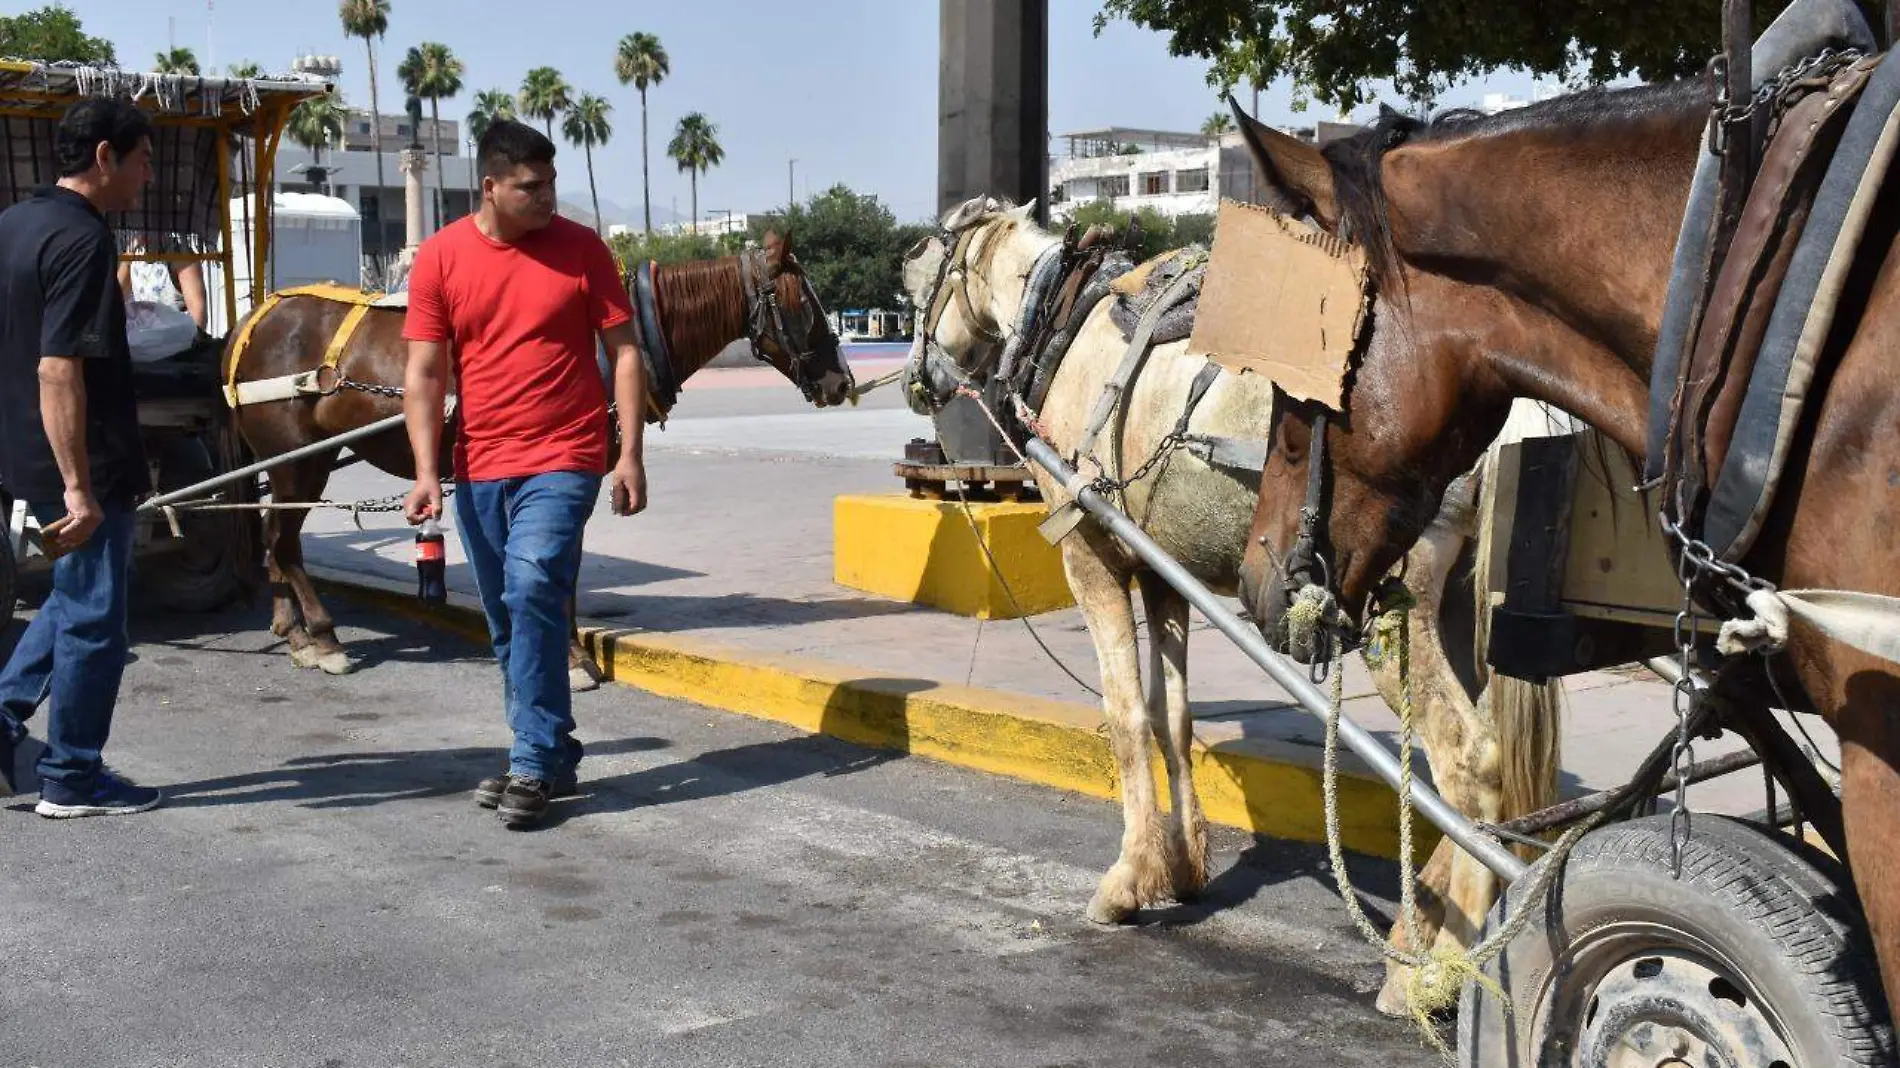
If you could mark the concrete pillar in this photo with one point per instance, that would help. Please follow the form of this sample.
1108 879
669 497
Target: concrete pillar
993 102
414 162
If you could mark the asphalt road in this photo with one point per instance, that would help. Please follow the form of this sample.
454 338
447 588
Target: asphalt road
321 891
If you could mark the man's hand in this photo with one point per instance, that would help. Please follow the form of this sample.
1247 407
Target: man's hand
71 531
630 487
423 502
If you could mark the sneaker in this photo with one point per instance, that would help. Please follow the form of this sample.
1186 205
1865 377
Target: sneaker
524 802
488 792
109 795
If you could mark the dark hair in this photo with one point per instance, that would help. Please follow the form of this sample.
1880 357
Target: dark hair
507 144
115 120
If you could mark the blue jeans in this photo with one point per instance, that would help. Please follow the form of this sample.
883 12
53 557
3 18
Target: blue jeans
523 539
74 651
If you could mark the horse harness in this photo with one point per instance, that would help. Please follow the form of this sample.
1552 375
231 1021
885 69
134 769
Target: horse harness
765 324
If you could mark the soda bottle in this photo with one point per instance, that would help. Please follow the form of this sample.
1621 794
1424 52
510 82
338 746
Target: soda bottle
431 567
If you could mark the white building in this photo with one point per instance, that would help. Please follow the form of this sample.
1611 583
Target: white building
1173 173
715 224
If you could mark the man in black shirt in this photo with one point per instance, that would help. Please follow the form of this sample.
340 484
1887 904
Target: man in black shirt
69 448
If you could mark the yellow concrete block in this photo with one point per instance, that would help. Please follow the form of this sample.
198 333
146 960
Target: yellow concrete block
922 551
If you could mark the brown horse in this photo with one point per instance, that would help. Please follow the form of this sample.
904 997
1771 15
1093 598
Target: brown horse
703 307
1528 255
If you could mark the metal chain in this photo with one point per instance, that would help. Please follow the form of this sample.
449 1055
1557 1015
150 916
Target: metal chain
1683 697
1105 485
345 382
1776 90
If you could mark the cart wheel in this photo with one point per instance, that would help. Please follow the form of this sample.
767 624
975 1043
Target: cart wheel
1757 958
203 573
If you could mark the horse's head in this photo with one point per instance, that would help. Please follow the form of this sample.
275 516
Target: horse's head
946 275
793 332
1506 262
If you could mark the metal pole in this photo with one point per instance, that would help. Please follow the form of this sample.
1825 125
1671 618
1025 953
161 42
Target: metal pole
1290 676
312 449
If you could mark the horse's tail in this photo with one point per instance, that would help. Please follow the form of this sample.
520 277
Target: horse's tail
1527 717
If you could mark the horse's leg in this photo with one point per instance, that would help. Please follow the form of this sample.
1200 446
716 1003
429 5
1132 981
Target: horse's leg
1142 873
303 482
285 622
1172 724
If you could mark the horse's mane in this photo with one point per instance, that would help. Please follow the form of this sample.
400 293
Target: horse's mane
1357 161
705 306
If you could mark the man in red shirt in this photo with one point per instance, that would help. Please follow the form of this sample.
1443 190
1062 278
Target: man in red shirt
512 298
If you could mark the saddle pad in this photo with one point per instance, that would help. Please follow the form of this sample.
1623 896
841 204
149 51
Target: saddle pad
1138 290
1804 316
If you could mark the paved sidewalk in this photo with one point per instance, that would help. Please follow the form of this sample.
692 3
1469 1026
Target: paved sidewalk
735 548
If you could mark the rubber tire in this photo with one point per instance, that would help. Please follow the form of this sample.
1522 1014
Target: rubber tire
1782 913
204 575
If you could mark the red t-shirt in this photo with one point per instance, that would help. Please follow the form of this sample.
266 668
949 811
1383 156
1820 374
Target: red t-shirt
521 322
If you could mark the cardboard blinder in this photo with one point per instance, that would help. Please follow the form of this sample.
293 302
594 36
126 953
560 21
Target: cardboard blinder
1284 300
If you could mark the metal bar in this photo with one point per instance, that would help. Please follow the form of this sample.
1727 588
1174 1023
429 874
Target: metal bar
223 149
1283 671
1578 807
189 492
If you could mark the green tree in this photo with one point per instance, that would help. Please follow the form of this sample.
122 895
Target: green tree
695 147
247 69
369 20
587 125
317 123
630 249
544 94
1334 50
50 35
1217 124
642 62
1156 231
177 61
851 245
431 72
491 105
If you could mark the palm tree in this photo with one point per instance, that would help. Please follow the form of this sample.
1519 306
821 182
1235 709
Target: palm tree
696 148
315 123
1217 124
369 19
545 94
642 62
586 125
247 69
491 106
430 72
178 61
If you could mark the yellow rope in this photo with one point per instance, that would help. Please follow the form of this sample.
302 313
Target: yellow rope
1438 975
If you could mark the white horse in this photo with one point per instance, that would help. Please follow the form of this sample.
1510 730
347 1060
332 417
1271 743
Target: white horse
1493 755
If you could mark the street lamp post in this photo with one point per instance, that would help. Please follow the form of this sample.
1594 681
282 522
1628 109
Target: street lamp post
791 180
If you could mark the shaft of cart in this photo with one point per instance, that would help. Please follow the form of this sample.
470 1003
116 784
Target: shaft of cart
211 484
1287 674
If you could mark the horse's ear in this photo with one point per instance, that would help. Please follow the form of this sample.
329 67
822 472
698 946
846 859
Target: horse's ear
786 253
1298 179
969 212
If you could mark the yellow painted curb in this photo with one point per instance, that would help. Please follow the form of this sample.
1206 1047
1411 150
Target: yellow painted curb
1268 788
924 552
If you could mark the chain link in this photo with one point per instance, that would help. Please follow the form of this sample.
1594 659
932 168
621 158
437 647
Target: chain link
1105 485
345 382
1777 90
1682 698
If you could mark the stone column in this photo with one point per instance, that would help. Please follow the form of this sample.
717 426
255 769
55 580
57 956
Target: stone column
414 162
993 102
992 139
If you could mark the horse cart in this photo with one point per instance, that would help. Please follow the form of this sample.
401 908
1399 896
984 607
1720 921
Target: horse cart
215 144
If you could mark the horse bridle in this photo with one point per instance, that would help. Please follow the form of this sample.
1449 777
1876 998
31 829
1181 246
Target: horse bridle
956 247
765 322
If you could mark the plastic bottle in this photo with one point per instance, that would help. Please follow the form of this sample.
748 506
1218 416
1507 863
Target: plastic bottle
431 566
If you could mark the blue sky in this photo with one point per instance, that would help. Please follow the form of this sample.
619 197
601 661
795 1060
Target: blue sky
847 87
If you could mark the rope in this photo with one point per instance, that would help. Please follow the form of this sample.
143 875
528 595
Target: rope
1438 975
876 383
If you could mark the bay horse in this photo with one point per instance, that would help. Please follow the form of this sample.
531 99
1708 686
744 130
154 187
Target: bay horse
1528 255
703 306
1492 745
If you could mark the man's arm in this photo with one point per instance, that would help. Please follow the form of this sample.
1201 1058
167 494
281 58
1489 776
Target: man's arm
630 397
422 400
75 284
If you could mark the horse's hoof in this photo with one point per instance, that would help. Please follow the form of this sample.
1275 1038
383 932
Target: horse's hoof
337 663
581 680
305 657
1392 1001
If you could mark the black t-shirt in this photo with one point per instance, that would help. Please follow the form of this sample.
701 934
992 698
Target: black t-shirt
60 296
